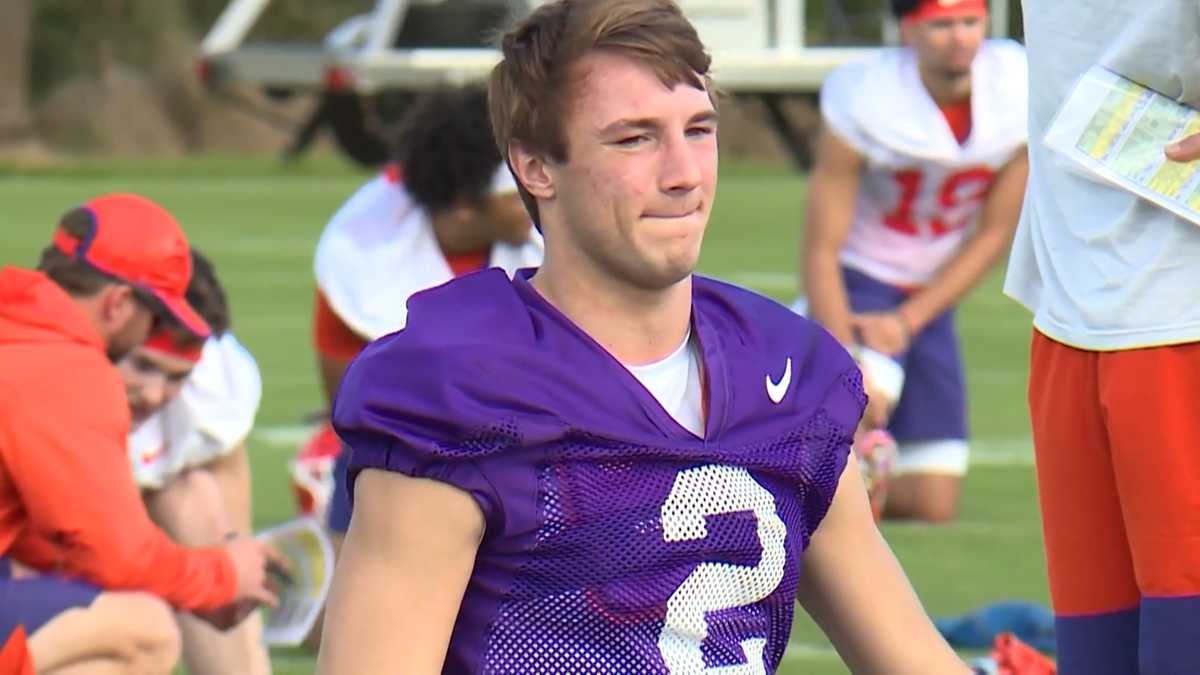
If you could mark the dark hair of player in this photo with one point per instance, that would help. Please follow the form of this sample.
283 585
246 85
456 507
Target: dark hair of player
901 8
446 150
206 295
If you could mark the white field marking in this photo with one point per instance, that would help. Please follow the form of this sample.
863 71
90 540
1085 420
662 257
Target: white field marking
1000 452
284 434
764 281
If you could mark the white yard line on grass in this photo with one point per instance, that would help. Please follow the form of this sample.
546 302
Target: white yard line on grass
764 281
284 434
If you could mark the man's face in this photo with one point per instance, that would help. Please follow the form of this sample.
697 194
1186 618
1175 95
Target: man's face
637 188
946 47
133 332
152 379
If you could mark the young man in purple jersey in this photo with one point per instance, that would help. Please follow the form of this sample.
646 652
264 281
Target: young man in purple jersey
609 464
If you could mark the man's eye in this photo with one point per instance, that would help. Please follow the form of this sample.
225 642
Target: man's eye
702 131
631 141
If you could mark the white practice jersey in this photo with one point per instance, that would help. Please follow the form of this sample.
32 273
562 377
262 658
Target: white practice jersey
920 190
212 415
1100 268
380 248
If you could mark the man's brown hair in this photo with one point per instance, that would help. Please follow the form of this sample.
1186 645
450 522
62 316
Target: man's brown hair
206 294
530 89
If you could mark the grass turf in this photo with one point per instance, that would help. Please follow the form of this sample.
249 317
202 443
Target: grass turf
259 222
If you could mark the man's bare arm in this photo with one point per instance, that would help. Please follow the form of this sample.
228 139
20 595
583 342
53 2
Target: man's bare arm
401 576
854 589
832 192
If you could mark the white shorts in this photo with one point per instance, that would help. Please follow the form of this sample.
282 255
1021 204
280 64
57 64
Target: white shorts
947 457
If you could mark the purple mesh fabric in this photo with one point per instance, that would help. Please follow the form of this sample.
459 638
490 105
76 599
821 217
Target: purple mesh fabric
617 542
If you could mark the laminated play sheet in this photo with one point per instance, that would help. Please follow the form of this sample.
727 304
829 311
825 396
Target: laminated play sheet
1115 130
301 597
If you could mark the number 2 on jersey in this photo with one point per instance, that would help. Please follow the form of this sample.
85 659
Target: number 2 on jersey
708 491
962 189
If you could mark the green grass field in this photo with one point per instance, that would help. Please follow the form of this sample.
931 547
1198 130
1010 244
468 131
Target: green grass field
260 221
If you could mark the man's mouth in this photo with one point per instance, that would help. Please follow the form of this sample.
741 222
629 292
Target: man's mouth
672 214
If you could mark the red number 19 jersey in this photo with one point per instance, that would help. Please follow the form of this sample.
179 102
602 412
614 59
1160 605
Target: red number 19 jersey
921 190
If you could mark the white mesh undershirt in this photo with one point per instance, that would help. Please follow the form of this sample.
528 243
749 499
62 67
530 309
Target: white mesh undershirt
675 382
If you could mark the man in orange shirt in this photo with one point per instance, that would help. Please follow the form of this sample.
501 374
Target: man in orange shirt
68 504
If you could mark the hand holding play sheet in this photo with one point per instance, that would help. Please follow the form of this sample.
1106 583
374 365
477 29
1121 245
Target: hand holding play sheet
303 586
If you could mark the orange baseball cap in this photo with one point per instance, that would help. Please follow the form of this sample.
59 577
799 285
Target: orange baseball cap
928 10
138 242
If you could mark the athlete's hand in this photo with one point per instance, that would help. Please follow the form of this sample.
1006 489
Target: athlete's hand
229 616
259 568
251 559
885 332
1184 150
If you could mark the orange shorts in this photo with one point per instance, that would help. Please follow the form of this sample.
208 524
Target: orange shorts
1117 439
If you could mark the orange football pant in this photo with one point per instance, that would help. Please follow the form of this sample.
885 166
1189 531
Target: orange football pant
1117 441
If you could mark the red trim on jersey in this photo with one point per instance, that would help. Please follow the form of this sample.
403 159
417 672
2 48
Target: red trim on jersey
165 342
465 263
930 10
331 336
394 173
335 340
958 116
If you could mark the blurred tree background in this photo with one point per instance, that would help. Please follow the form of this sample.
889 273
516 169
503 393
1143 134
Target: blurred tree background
117 76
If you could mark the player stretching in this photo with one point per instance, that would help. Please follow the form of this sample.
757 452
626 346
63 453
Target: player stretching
447 207
915 195
609 465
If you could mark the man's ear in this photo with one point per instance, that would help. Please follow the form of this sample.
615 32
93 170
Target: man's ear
531 171
117 304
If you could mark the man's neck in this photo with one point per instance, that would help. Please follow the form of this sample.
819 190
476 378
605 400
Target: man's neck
455 236
636 326
946 89
90 307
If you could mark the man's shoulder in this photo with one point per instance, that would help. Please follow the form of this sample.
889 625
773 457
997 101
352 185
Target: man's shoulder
752 313
755 327
1006 56
69 382
450 327
476 308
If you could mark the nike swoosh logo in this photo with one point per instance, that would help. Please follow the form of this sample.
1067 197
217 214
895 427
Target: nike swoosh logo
777 390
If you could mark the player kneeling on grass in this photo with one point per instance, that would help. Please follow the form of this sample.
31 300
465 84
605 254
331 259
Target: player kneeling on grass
609 464
193 402
913 198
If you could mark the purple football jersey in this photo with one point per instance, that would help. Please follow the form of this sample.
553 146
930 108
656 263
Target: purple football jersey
616 540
